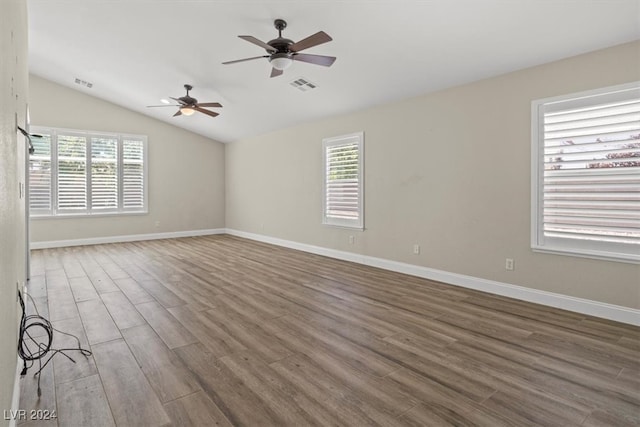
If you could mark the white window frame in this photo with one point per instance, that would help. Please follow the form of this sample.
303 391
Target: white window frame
55 211
349 139
598 249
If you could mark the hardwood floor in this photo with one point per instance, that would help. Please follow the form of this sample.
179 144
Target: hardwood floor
224 331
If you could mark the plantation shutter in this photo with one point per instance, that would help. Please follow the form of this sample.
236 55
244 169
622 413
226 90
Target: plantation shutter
591 169
72 173
40 176
104 173
133 190
343 181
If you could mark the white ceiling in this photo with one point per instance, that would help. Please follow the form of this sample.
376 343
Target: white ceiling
136 52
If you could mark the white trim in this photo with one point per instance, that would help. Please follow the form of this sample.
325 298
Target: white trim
15 400
126 238
565 302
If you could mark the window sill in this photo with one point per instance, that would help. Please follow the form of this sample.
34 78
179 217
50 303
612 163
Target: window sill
592 254
85 215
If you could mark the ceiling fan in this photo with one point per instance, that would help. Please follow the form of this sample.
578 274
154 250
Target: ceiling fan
282 52
188 105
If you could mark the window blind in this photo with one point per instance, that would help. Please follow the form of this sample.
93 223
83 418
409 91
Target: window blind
104 173
40 176
343 181
592 172
72 173
133 174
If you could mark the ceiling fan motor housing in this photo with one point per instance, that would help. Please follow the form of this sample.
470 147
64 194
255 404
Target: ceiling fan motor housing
281 45
188 100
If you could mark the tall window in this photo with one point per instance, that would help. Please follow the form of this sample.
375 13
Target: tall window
586 174
343 183
86 173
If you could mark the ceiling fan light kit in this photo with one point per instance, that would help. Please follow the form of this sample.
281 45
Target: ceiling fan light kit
281 61
281 52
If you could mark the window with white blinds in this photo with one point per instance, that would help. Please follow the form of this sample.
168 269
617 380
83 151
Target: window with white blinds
586 174
343 183
72 173
133 166
40 176
104 173
86 173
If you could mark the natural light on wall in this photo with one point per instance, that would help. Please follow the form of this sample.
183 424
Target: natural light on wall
586 174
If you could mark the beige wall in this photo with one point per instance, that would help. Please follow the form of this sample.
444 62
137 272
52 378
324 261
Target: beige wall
186 171
13 101
449 171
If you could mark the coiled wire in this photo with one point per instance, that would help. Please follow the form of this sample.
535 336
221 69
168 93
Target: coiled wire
34 347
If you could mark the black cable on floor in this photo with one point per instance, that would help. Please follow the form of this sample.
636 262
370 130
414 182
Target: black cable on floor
32 348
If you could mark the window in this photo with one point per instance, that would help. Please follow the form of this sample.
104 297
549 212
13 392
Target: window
586 174
343 183
86 173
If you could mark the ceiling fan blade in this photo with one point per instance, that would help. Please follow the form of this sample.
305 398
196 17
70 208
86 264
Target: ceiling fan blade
325 61
313 40
207 112
275 72
210 104
245 59
260 43
181 102
178 113
165 105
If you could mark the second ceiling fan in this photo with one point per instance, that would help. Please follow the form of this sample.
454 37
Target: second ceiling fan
282 52
188 105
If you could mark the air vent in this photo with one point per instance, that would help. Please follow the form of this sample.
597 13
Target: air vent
303 84
84 83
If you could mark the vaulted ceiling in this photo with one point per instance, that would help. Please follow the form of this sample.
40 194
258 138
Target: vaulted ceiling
136 52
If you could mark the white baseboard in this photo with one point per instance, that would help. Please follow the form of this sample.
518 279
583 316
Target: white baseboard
565 302
15 400
127 238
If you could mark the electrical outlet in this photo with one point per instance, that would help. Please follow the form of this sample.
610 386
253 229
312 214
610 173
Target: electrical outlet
509 264
157 224
352 240
416 249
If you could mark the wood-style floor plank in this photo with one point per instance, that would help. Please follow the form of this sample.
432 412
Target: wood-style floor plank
123 313
133 290
97 322
166 326
82 288
83 403
220 330
239 403
165 371
195 410
132 400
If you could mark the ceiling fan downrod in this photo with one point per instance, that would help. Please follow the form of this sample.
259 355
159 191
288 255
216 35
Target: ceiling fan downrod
280 25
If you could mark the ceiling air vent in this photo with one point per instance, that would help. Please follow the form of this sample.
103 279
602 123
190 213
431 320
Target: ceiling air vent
84 83
303 84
